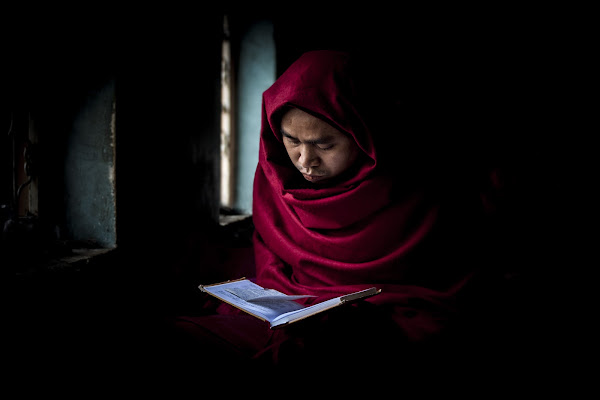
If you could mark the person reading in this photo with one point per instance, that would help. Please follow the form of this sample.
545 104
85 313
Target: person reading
335 211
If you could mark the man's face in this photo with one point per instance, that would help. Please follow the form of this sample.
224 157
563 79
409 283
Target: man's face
318 150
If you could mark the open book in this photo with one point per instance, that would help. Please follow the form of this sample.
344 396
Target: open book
270 305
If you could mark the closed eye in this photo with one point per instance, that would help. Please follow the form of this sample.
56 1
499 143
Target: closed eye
321 144
328 147
291 140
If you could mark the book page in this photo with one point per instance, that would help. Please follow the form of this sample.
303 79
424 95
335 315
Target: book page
268 308
273 306
305 312
295 315
254 295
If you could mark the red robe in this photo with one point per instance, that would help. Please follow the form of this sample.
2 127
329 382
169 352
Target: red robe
413 240
418 241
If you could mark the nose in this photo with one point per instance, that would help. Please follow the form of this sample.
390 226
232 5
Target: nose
308 157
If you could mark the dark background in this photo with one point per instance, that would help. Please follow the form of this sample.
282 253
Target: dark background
487 88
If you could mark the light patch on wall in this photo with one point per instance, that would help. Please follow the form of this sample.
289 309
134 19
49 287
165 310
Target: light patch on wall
227 138
89 171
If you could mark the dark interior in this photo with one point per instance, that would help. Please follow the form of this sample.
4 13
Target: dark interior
486 92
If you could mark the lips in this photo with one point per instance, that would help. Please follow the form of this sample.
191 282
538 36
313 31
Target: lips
312 178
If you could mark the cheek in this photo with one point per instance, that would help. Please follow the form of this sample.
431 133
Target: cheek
290 151
338 162
343 159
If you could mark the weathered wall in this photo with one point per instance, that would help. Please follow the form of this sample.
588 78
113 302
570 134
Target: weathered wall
89 170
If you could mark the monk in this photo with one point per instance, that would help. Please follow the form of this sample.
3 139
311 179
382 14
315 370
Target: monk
335 211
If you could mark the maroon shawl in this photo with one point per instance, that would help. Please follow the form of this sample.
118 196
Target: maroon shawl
361 231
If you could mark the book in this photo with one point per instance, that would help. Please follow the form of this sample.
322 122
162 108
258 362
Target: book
273 306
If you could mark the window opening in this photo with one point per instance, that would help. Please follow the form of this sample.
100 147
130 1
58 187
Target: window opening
251 48
227 142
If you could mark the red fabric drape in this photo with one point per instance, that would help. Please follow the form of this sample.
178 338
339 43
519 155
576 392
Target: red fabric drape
418 243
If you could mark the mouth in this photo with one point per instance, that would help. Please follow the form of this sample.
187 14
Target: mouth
312 178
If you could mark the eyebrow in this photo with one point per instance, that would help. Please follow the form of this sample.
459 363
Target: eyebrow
323 140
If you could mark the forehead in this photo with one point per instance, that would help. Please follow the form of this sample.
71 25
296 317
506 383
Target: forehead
296 122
